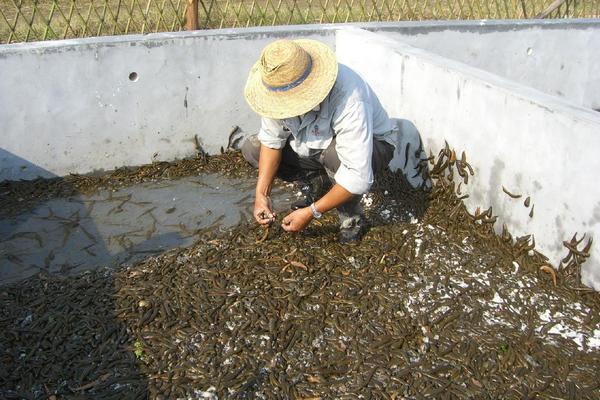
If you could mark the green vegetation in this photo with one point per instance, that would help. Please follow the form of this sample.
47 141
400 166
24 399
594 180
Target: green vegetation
138 350
23 21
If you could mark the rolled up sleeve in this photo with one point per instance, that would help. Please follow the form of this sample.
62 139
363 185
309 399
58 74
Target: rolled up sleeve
272 134
353 127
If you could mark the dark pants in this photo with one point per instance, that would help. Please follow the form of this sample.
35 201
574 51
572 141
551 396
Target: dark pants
293 167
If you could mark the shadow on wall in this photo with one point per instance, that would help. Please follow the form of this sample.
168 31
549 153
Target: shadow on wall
13 167
59 335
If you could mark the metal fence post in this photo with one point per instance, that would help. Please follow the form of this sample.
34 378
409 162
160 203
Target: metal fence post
191 15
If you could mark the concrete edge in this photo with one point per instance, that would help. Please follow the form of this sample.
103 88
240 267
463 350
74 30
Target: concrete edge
475 25
149 38
546 101
279 30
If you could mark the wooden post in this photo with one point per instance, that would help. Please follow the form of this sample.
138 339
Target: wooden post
191 15
555 4
524 8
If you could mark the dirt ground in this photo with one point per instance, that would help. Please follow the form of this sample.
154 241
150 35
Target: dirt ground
430 304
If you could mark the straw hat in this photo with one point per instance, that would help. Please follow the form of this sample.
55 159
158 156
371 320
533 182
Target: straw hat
291 78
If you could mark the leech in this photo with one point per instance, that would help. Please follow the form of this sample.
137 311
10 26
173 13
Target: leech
514 196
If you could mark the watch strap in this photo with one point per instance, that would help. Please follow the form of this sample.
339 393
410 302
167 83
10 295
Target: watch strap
315 212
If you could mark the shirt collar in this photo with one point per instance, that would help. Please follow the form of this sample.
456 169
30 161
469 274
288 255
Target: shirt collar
321 111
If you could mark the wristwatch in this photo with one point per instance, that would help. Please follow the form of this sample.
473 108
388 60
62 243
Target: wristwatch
314 211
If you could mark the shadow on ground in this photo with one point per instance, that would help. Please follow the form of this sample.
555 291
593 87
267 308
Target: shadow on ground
62 336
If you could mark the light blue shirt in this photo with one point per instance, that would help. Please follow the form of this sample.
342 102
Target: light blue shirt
352 114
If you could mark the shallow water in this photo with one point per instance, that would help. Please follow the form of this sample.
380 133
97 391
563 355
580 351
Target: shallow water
113 227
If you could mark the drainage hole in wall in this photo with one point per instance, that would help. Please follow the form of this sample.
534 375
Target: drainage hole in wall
133 77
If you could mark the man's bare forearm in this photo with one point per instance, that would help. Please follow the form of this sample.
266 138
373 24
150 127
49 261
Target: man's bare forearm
268 163
336 196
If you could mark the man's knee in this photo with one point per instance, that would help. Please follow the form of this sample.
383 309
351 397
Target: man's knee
251 150
383 152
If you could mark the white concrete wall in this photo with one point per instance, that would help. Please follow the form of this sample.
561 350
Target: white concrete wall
69 106
532 143
558 59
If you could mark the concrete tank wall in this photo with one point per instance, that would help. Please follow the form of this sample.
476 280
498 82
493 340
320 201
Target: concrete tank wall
71 107
514 136
557 58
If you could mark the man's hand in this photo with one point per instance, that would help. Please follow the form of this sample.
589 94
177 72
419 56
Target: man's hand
268 163
263 213
297 220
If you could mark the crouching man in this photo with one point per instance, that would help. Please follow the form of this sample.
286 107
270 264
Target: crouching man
322 126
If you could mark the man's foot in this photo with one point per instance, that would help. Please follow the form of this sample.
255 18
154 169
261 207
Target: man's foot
352 229
351 235
353 224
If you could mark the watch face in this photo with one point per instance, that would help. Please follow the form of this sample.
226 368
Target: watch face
314 211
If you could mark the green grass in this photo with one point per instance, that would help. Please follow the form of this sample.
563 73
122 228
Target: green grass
22 21
29 20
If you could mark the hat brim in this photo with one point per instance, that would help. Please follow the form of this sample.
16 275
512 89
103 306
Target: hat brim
300 99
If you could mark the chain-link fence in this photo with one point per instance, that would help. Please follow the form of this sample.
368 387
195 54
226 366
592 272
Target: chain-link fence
23 21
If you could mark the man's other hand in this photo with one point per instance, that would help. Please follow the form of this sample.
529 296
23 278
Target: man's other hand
263 213
297 220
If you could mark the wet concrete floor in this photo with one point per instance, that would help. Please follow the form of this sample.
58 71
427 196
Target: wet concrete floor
115 227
